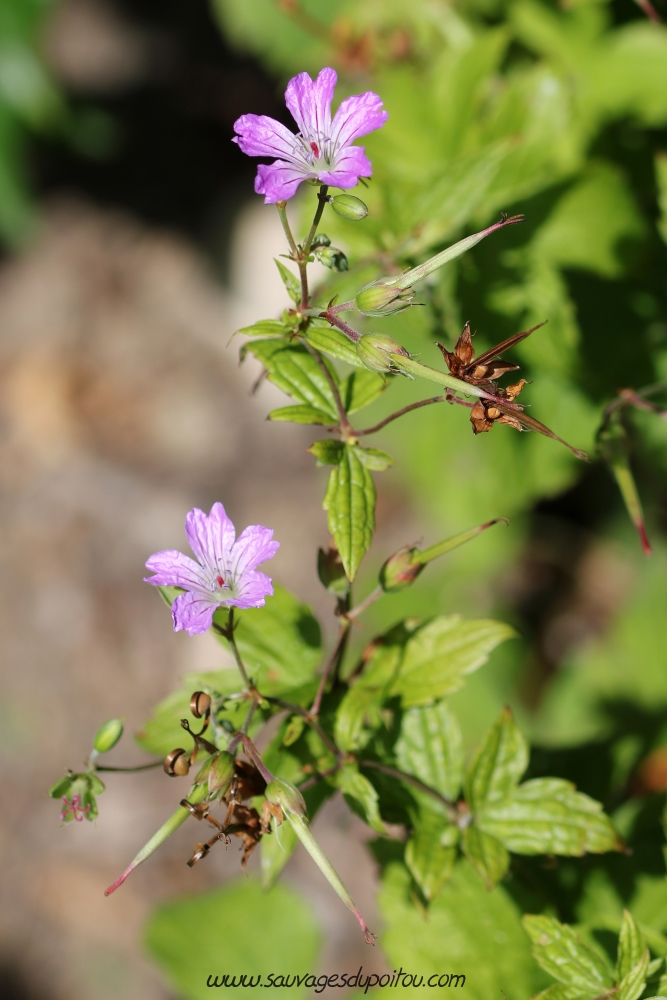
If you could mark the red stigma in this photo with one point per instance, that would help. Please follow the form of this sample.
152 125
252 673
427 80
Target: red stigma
220 581
315 150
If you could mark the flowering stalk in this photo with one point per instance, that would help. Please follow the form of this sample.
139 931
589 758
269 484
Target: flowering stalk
196 795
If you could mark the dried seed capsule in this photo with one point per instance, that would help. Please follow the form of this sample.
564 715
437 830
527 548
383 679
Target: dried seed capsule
200 704
177 763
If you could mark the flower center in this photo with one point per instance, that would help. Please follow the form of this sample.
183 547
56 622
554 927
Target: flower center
313 146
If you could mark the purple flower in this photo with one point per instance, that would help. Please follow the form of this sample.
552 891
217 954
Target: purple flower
226 571
322 148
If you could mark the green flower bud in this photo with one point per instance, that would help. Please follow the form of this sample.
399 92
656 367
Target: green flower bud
374 350
286 795
383 298
331 257
349 207
321 240
108 735
220 774
400 571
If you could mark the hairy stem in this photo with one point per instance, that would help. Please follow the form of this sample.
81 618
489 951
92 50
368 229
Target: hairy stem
344 423
335 321
140 767
366 603
228 634
331 666
399 413
321 202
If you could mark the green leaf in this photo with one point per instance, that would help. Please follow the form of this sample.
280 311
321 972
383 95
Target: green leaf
331 341
350 503
361 388
559 991
561 952
212 934
430 748
290 281
374 459
441 653
294 729
498 764
486 854
357 715
359 795
631 945
327 451
280 644
549 816
302 413
297 373
430 863
632 985
468 931
163 732
265 328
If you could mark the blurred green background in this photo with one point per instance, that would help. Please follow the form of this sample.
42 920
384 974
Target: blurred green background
557 111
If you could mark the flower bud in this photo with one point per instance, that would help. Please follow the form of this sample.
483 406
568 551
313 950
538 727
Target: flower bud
200 704
321 240
332 258
349 207
108 735
383 298
400 571
374 350
220 774
177 763
286 795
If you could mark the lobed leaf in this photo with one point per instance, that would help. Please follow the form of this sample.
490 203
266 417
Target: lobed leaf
430 748
350 503
302 413
429 863
290 281
330 341
360 795
549 816
631 945
441 653
632 985
486 854
561 952
280 644
498 764
361 388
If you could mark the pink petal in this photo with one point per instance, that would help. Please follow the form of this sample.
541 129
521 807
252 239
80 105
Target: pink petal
351 164
210 536
310 103
357 116
254 587
173 569
193 612
253 546
259 135
278 181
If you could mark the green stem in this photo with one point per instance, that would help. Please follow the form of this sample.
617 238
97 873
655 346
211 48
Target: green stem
366 603
399 413
140 767
331 667
416 783
282 212
228 634
196 795
344 423
322 200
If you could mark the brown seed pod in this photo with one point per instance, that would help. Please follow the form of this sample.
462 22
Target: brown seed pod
200 704
177 763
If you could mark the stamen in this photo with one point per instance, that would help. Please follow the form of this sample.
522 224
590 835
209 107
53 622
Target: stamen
313 146
221 582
